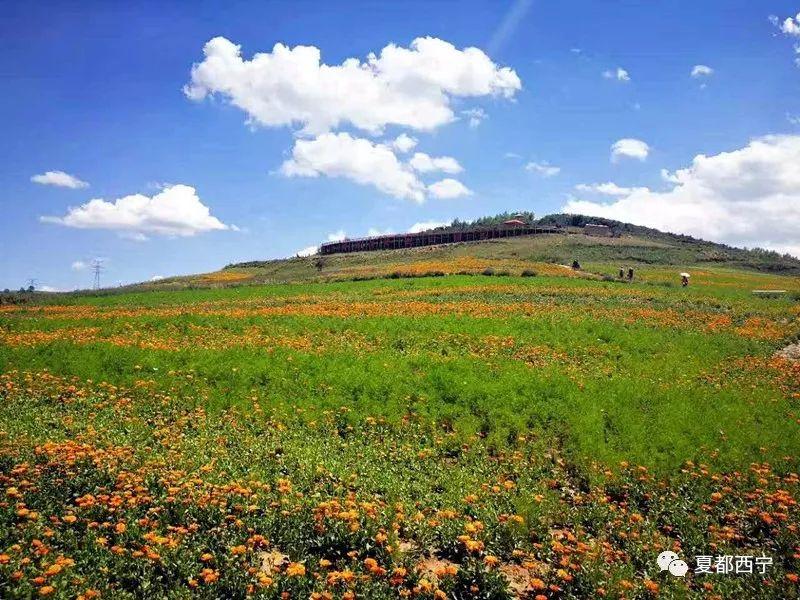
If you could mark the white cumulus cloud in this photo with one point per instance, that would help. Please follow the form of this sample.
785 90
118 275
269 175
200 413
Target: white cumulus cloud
448 188
410 87
749 196
369 163
425 164
404 143
618 74
59 179
701 71
629 148
79 265
357 159
174 211
543 168
791 25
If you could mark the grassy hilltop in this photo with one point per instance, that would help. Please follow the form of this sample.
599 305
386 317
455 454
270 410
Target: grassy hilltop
423 424
631 246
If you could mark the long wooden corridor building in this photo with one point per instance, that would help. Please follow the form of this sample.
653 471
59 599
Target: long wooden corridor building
431 238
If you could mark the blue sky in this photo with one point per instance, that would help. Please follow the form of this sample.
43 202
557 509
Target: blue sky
96 90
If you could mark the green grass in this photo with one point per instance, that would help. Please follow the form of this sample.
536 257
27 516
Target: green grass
617 391
458 399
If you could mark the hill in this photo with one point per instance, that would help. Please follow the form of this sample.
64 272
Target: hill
630 246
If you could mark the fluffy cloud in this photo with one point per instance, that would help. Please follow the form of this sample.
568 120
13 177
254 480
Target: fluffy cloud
619 74
426 225
791 26
544 168
59 179
174 211
630 148
79 265
701 71
404 143
368 163
410 87
448 188
337 236
357 159
607 189
425 164
750 196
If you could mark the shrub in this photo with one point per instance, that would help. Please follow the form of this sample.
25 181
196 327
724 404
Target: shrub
488 271
529 273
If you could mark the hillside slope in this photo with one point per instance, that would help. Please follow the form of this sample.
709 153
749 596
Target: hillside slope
632 246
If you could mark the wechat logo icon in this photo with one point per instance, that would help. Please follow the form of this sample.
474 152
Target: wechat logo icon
669 561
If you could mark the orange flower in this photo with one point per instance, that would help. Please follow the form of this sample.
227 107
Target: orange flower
538 584
651 586
209 575
295 570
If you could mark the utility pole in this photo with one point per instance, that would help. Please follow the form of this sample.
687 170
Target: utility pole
97 267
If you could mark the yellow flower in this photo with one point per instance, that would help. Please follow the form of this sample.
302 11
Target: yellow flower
295 570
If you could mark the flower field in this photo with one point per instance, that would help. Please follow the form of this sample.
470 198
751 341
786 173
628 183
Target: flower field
429 437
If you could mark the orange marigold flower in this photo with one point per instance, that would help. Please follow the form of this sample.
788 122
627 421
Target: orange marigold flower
296 570
538 584
651 586
47 590
209 575
237 550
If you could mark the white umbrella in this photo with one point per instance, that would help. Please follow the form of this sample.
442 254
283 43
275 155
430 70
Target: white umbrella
685 275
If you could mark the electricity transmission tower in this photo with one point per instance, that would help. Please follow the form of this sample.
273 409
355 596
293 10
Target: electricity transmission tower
97 267
32 283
